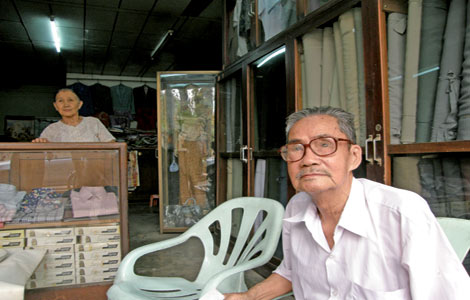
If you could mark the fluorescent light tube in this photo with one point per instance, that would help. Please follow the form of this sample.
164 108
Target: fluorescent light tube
55 35
162 41
270 56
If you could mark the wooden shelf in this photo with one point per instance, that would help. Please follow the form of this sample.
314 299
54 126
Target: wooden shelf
71 223
426 148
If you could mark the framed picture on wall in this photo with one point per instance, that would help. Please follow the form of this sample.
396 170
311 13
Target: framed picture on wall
41 123
20 128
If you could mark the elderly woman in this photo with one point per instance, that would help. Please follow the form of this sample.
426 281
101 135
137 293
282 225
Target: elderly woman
73 127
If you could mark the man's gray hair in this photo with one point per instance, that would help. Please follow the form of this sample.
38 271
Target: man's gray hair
344 118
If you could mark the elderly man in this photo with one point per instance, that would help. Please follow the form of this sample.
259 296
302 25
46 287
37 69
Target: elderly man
348 238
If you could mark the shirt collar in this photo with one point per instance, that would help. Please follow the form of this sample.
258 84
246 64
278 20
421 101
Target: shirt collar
355 217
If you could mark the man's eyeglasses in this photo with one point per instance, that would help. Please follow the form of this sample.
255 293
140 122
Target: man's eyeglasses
321 146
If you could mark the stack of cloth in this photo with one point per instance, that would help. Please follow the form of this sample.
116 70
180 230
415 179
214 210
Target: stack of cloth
9 200
41 205
92 201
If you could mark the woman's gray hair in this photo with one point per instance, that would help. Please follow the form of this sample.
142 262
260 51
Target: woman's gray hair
66 90
344 118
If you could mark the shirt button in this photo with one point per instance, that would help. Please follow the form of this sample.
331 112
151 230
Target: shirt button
334 293
331 256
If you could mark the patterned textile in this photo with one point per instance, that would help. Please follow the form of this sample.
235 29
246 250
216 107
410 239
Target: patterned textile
40 205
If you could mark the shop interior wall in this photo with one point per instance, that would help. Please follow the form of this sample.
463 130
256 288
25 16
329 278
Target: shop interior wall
27 100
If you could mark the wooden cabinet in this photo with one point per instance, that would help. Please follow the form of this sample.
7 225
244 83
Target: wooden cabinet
405 164
72 200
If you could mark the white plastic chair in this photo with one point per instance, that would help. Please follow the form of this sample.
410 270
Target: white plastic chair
458 233
249 251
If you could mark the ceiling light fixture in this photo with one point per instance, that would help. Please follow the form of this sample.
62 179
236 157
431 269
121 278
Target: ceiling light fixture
271 56
161 42
55 34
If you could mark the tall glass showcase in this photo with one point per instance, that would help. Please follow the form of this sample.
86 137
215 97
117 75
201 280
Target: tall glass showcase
186 107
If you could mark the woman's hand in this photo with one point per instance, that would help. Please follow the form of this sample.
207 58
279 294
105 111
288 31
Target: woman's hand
40 140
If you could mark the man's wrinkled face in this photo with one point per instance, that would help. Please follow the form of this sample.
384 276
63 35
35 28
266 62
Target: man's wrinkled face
313 173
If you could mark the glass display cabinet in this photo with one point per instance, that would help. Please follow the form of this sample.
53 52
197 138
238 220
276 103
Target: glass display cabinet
70 199
186 107
392 64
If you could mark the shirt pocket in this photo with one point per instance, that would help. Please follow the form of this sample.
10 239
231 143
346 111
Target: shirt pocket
360 293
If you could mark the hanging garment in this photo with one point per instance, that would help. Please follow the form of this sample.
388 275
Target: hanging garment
276 15
360 75
83 92
145 103
101 96
192 172
239 43
448 87
339 65
133 175
123 99
432 32
396 41
93 201
410 91
346 25
463 131
327 66
312 46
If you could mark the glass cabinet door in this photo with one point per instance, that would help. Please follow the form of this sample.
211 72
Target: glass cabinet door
269 111
231 141
429 72
186 108
443 180
231 164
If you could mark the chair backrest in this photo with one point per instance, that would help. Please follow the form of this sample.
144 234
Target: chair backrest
255 249
458 233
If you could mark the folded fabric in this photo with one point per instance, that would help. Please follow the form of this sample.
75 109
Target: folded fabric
46 210
42 198
92 202
6 215
40 205
10 197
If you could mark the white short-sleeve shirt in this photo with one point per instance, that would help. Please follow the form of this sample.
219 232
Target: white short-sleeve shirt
388 245
90 129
